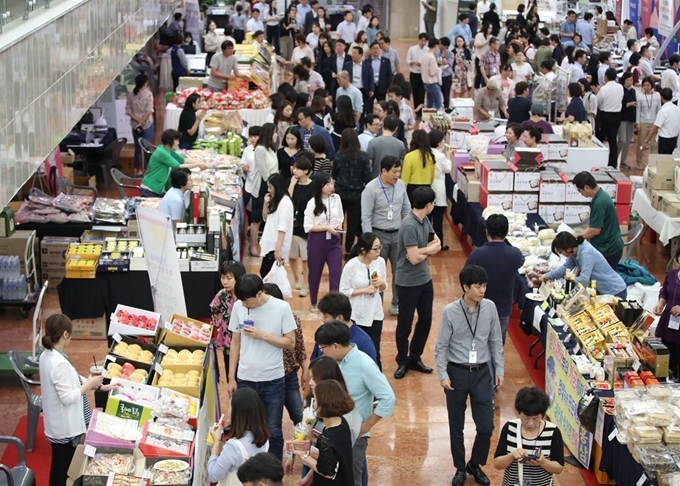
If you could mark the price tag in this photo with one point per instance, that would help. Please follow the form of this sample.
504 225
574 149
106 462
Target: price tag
551 313
642 480
188 435
565 328
110 357
163 349
158 368
567 339
90 451
544 306
613 434
168 326
636 365
147 474
577 348
117 337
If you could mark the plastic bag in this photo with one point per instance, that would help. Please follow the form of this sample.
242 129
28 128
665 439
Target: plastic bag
279 276
587 411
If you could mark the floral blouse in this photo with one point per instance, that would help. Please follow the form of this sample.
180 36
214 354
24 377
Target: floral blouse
292 360
139 105
220 308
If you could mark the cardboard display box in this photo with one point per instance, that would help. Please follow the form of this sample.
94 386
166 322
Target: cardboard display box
53 249
84 454
119 406
527 181
128 330
524 203
551 213
497 176
500 199
7 227
576 213
89 329
469 184
553 187
15 245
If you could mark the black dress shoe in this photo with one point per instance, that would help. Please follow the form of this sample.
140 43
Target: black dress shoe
444 248
478 474
401 372
459 478
419 366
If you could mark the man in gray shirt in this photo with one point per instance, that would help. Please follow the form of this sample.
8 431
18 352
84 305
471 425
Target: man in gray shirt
383 205
385 145
223 67
417 241
469 342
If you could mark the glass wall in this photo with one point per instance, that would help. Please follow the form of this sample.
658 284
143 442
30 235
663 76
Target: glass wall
53 76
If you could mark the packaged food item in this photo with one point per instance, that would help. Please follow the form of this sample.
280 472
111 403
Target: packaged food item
658 392
658 417
671 434
103 464
646 434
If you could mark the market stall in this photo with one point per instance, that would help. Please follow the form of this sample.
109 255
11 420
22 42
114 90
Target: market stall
255 117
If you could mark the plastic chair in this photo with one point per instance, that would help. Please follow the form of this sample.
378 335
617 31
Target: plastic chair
110 159
69 188
634 234
148 148
19 475
119 177
19 362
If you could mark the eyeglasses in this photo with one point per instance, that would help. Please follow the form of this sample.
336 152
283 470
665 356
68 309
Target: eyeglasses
377 248
324 346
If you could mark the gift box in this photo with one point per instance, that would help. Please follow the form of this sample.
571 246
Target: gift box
497 176
130 321
527 158
499 199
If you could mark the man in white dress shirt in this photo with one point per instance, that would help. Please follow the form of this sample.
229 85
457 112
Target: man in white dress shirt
254 24
632 45
365 19
669 78
667 124
371 129
413 59
347 29
609 100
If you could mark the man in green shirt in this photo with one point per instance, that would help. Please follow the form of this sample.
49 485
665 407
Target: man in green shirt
603 230
430 16
165 159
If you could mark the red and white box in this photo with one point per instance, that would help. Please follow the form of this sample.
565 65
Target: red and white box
497 176
551 213
130 321
502 200
525 203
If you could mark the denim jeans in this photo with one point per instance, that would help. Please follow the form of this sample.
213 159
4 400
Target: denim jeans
293 400
146 135
434 96
272 393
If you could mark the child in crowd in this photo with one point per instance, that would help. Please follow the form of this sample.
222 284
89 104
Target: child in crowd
317 147
221 306
293 360
248 167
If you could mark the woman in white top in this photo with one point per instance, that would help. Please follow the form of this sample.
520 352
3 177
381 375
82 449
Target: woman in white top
265 164
589 101
301 50
323 223
648 106
521 70
360 41
212 41
362 278
443 155
279 216
482 40
248 436
66 408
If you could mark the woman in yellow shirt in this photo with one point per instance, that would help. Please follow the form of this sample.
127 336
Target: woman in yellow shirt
418 168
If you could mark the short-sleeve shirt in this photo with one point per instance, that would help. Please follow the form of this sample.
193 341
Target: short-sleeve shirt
260 361
186 121
576 109
381 147
431 16
413 232
224 65
172 204
603 216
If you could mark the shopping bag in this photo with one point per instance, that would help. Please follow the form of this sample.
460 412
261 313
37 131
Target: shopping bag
279 276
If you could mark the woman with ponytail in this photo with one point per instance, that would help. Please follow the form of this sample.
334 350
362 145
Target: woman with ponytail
139 108
362 278
591 265
66 408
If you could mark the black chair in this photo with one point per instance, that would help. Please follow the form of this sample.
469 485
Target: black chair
111 158
148 148
119 179
69 188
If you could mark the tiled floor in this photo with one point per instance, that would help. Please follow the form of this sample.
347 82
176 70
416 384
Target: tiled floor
412 447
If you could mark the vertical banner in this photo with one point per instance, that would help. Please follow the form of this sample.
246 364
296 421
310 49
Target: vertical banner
634 15
208 414
161 259
565 386
666 17
192 19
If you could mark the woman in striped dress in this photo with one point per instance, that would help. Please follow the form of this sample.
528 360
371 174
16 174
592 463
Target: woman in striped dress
527 437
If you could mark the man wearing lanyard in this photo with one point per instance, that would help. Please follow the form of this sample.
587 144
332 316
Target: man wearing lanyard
417 242
383 205
469 342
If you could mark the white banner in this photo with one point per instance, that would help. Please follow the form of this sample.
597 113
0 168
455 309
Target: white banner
666 17
163 266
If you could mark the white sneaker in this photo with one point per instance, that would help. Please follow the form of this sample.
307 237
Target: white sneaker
304 292
298 285
394 310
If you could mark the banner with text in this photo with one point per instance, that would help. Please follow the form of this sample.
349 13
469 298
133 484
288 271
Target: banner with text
162 263
666 17
565 386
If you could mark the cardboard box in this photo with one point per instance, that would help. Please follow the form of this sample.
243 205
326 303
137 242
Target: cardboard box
53 276
553 187
553 152
670 208
187 442
488 158
497 176
128 341
133 229
459 158
527 158
128 330
524 203
90 329
15 245
170 338
120 406
81 461
527 181
469 185
576 213
53 249
659 196
150 461
67 172
7 222
551 213
85 181
499 199
656 179
571 194
191 390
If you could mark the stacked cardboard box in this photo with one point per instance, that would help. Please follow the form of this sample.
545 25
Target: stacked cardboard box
659 184
53 258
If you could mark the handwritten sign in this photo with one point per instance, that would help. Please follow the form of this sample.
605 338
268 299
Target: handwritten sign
162 263
565 386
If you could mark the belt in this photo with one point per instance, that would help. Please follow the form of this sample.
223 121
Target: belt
389 232
470 368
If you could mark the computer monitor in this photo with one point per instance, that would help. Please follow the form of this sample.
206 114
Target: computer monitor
197 63
189 49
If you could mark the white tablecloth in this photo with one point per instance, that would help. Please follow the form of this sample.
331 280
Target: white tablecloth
253 117
666 227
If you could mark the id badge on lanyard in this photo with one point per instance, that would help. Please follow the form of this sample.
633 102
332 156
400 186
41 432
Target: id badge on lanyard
674 322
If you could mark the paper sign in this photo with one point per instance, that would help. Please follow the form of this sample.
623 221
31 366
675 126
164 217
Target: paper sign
90 451
117 337
110 357
577 348
636 365
538 316
168 326
642 480
613 434
163 349
158 368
